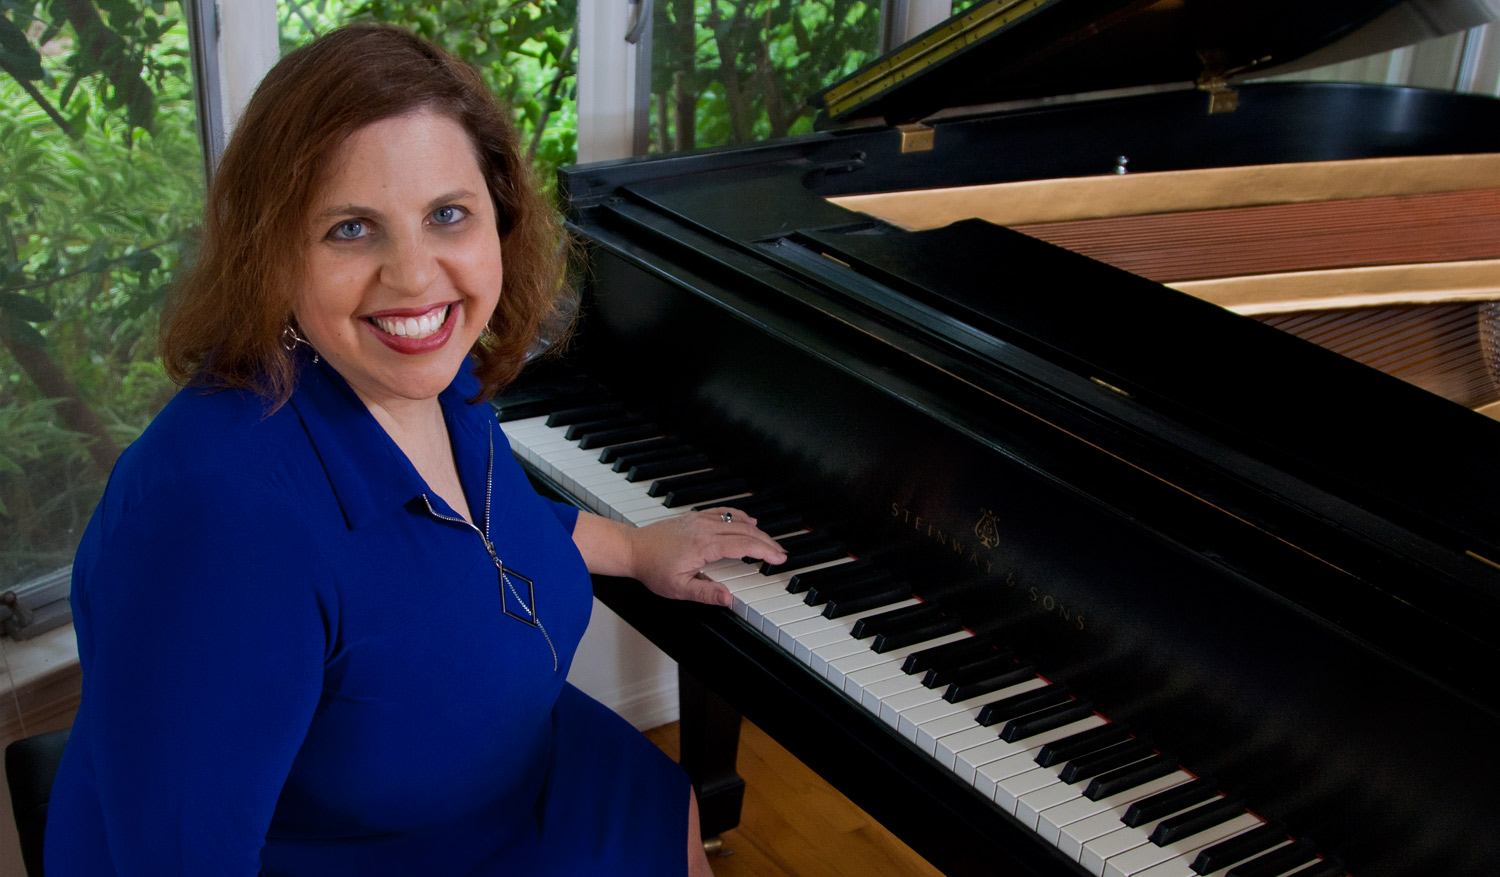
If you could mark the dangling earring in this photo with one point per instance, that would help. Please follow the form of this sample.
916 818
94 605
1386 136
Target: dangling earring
290 339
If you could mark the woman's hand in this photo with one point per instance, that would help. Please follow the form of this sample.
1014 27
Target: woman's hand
668 556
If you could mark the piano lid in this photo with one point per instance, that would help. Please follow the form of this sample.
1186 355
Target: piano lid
1006 50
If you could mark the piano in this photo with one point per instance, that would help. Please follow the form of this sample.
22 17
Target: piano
1089 575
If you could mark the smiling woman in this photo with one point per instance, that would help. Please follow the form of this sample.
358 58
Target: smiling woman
403 263
355 677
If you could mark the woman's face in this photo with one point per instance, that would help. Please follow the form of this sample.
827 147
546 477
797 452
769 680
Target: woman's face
403 262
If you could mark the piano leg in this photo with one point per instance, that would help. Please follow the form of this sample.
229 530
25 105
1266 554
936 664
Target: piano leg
710 730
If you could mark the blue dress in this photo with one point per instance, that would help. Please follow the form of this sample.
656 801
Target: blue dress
297 661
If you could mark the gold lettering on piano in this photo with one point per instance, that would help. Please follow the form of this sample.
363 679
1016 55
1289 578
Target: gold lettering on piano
1052 605
987 529
987 532
942 537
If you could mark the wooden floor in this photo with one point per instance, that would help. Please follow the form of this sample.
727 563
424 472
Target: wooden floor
795 824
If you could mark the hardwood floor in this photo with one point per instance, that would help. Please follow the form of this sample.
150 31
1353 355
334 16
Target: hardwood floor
795 824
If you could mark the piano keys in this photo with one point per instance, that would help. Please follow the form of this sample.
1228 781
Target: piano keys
1003 738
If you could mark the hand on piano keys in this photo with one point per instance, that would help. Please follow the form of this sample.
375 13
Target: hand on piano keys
1101 794
668 555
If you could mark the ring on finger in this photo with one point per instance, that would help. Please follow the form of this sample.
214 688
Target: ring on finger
727 518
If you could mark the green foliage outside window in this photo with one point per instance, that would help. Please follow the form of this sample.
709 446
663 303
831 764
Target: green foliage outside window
527 51
101 186
735 71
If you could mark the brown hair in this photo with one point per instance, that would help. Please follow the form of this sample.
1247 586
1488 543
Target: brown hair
225 326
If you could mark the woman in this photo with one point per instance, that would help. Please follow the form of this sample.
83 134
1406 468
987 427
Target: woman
324 622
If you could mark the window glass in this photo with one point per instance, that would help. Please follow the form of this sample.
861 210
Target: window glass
734 71
526 50
99 200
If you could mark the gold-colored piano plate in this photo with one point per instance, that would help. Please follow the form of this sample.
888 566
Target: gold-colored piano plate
1062 200
1368 286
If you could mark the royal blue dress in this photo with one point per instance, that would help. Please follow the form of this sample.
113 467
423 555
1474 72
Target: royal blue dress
297 660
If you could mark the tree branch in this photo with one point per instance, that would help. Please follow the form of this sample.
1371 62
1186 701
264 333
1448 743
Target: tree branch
557 81
41 101
43 284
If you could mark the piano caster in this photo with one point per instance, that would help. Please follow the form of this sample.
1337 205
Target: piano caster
714 847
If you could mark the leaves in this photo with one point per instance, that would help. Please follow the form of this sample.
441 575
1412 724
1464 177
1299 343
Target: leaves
17 56
25 307
92 233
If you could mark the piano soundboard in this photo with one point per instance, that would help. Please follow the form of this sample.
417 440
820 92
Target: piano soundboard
1105 797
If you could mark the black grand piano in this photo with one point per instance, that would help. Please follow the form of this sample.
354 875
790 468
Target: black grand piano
1135 547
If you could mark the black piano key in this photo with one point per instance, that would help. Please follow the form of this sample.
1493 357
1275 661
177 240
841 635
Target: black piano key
603 437
861 570
1175 828
1045 720
601 411
664 486
1332 866
847 589
1130 776
1154 807
615 452
1103 760
535 398
1008 708
805 558
962 652
688 495
1082 743
756 505
890 640
650 471
1276 862
906 615
579 429
803 541
997 663
658 451
959 691
777 523
1238 848
883 593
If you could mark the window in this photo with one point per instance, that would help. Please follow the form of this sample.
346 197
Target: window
526 51
98 208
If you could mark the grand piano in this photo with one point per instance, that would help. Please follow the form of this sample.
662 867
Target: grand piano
1064 539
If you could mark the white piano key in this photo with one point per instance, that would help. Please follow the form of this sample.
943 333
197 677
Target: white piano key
892 709
1052 820
1009 790
876 693
912 721
802 646
833 651
948 748
1182 866
1147 855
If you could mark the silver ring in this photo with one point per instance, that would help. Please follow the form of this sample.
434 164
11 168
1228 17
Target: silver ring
727 518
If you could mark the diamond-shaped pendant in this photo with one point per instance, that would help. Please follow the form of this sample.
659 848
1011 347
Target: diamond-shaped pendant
508 579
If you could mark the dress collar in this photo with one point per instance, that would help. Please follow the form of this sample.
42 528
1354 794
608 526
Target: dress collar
370 475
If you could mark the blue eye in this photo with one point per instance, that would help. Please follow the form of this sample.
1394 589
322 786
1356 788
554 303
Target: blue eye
348 230
449 215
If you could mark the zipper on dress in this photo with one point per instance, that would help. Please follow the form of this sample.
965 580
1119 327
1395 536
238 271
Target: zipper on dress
505 575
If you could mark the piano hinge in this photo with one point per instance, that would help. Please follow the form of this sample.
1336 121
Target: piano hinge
915 137
1213 79
1112 388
